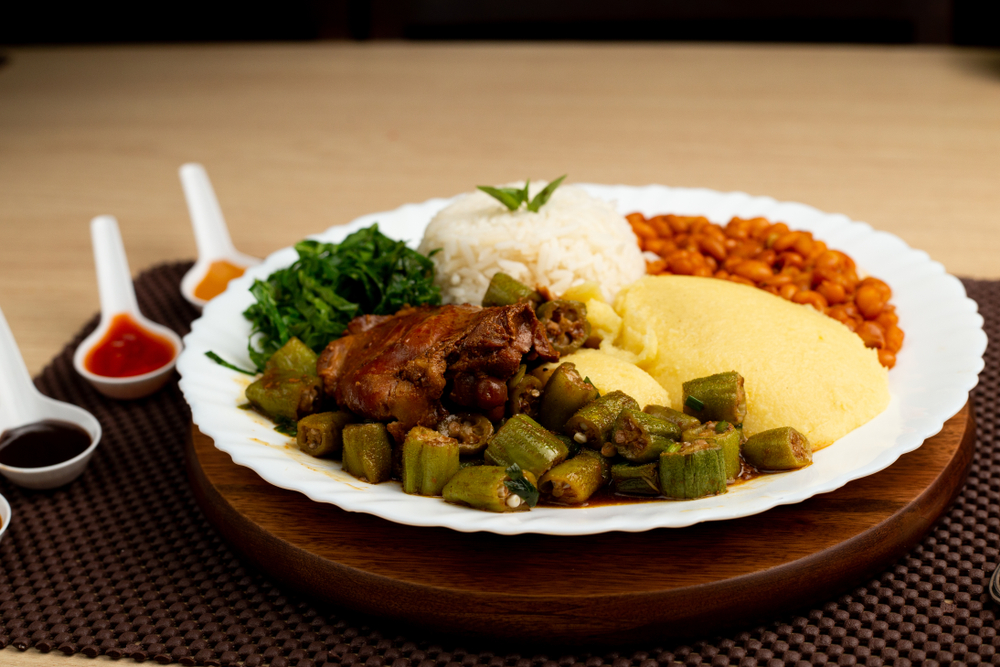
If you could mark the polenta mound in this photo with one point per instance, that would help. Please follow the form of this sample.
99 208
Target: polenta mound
801 367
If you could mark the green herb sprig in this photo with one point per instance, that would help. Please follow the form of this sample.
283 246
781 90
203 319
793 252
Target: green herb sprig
329 284
512 198
520 486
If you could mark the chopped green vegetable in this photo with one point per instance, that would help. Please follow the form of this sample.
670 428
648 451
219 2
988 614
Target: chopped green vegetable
521 486
694 403
512 198
222 362
329 284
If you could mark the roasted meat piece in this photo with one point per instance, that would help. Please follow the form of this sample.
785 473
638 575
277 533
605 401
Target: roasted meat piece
402 367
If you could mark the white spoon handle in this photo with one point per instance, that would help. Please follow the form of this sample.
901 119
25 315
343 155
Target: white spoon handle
17 391
114 280
210 232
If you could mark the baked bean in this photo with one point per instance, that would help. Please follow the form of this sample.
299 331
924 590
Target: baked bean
814 299
753 270
644 230
886 357
888 317
713 246
832 292
872 334
787 291
870 301
789 263
681 262
790 258
785 241
893 338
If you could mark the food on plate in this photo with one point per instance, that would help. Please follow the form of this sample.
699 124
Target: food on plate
399 367
788 263
801 367
608 372
329 284
546 390
572 239
778 449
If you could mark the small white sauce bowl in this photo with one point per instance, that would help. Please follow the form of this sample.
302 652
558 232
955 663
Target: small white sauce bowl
210 231
64 472
133 386
114 282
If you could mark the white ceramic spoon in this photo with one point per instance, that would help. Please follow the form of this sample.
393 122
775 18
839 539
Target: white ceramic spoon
21 403
210 232
114 282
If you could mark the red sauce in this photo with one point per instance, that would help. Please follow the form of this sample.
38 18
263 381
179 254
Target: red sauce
42 443
128 350
215 281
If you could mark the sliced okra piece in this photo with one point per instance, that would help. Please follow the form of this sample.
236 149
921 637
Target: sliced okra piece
696 470
472 431
525 397
636 480
718 397
285 394
677 417
524 441
565 324
565 392
591 425
778 449
640 437
367 452
726 436
572 482
430 460
506 291
293 357
484 488
321 434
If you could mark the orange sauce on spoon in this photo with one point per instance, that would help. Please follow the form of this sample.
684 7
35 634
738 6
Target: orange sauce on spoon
128 350
214 283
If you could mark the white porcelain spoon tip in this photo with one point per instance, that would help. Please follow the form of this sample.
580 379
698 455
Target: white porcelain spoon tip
22 404
117 301
215 247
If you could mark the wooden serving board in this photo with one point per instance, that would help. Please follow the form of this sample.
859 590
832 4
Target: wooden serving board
608 588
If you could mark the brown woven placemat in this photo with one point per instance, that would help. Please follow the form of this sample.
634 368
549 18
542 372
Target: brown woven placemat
123 563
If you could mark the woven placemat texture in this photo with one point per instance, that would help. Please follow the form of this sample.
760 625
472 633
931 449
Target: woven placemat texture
123 563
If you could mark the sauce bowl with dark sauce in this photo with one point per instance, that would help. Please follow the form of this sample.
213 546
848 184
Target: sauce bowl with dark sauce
44 443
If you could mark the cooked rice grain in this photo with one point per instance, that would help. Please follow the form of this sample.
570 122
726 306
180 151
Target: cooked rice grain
574 238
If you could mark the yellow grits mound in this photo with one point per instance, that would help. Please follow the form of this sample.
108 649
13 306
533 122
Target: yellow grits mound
608 373
802 368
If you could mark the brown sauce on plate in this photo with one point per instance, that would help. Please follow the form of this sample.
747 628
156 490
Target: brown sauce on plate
42 443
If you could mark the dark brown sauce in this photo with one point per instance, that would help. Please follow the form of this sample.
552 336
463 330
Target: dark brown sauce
42 443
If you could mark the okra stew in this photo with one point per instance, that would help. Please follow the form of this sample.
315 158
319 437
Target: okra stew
553 438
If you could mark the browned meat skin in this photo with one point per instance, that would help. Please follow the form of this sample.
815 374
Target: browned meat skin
400 367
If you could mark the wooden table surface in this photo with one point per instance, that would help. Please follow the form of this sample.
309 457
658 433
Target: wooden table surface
297 138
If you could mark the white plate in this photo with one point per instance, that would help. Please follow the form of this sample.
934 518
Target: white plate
937 367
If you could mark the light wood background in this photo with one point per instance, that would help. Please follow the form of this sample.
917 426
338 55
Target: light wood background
297 138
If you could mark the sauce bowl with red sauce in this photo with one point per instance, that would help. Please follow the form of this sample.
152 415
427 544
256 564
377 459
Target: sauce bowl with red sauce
127 356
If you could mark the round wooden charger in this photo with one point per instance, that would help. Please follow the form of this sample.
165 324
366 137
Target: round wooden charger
614 587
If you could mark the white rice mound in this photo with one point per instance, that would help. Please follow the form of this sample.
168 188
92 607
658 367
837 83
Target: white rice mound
572 239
